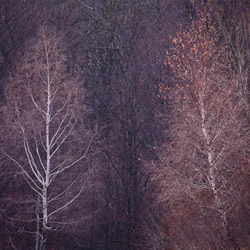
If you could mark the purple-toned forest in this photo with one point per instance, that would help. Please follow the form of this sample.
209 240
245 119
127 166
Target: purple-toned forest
125 124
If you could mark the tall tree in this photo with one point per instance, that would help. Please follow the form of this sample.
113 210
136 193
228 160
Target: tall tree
47 108
205 162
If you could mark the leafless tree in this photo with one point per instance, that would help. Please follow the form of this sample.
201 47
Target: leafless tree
47 109
207 156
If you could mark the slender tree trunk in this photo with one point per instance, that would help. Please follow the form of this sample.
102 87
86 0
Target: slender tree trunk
212 181
37 223
43 239
47 177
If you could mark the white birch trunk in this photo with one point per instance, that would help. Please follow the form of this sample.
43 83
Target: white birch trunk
212 178
48 156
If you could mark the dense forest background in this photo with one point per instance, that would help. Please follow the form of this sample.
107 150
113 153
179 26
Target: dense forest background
125 124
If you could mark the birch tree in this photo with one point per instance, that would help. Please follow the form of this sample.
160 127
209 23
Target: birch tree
47 108
207 158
